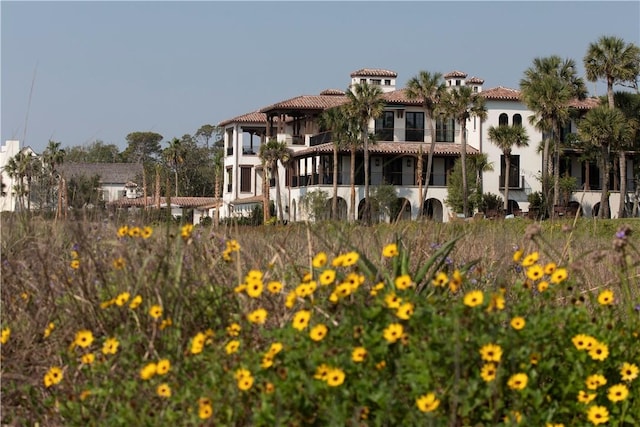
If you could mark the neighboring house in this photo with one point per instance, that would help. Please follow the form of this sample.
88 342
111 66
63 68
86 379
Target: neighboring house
9 200
117 180
202 206
401 134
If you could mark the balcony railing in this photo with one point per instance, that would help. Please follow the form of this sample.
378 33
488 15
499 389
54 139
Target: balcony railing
320 138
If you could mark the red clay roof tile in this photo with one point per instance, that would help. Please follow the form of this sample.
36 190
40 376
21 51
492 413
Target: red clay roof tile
374 72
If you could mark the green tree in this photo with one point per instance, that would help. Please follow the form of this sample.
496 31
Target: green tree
365 103
174 157
23 168
456 198
270 154
462 103
142 147
52 157
84 191
547 88
206 132
429 88
95 152
314 203
505 138
617 62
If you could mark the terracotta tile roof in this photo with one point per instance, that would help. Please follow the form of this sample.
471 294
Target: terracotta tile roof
331 92
307 102
255 117
110 173
185 202
400 97
442 149
374 72
455 73
501 93
585 104
475 80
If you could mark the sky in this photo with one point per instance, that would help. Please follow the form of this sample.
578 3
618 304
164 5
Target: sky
77 72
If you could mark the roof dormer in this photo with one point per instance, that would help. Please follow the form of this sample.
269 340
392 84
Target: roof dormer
455 78
386 79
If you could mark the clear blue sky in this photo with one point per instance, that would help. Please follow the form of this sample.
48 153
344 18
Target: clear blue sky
105 69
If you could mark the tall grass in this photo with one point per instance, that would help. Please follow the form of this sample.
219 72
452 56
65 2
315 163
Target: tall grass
390 329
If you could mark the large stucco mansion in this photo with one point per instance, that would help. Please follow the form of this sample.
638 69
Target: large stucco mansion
401 135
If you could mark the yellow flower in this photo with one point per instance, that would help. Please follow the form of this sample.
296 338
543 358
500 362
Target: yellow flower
47 331
163 366
344 289
233 246
233 330
530 259
186 231
549 268
393 332
197 343
427 402
376 288
335 377
535 272
392 300
258 316
123 231
618 393
629 371
403 282
135 302
473 298
205 411
269 388
488 372
148 370
491 352
583 342
517 255
441 279
242 373
119 263
543 286
497 302
6 334
554 425
599 351
594 381
134 232
267 361
455 281
301 319
559 275
254 289
405 311
327 277
321 372
318 332
146 232
155 311
350 259
358 354
232 346
274 287
85 394
165 323
518 323
598 415
245 382
164 390
240 288
390 250
110 346
319 260
75 264
338 261
290 300
275 348
88 358
606 297
83 339
584 397
53 376
518 381
122 299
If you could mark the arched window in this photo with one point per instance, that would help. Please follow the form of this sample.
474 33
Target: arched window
503 119
517 120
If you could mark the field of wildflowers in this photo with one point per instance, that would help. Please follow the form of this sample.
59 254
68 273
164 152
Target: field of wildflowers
499 323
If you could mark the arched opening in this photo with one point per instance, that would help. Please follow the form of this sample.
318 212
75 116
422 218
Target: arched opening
513 207
433 210
517 120
342 209
401 210
503 119
374 214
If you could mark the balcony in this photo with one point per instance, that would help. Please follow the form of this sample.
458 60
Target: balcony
320 138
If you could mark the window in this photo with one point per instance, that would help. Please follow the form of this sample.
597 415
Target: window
377 82
363 81
517 120
229 180
457 82
445 130
245 179
514 171
414 126
503 119
387 82
475 89
384 126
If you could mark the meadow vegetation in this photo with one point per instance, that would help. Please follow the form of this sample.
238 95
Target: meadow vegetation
482 323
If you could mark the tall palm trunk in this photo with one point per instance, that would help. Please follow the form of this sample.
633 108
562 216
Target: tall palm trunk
366 216
622 210
216 196
334 201
603 212
507 167
352 179
176 179
463 159
265 199
419 176
276 175
432 150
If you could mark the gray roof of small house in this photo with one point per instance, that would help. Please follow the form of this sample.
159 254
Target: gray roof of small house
116 173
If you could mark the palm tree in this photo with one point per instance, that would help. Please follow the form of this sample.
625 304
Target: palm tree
271 153
505 138
428 87
218 167
335 120
23 166
547 87
52 157
612 59
602 127
462 103
365 103
174 156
